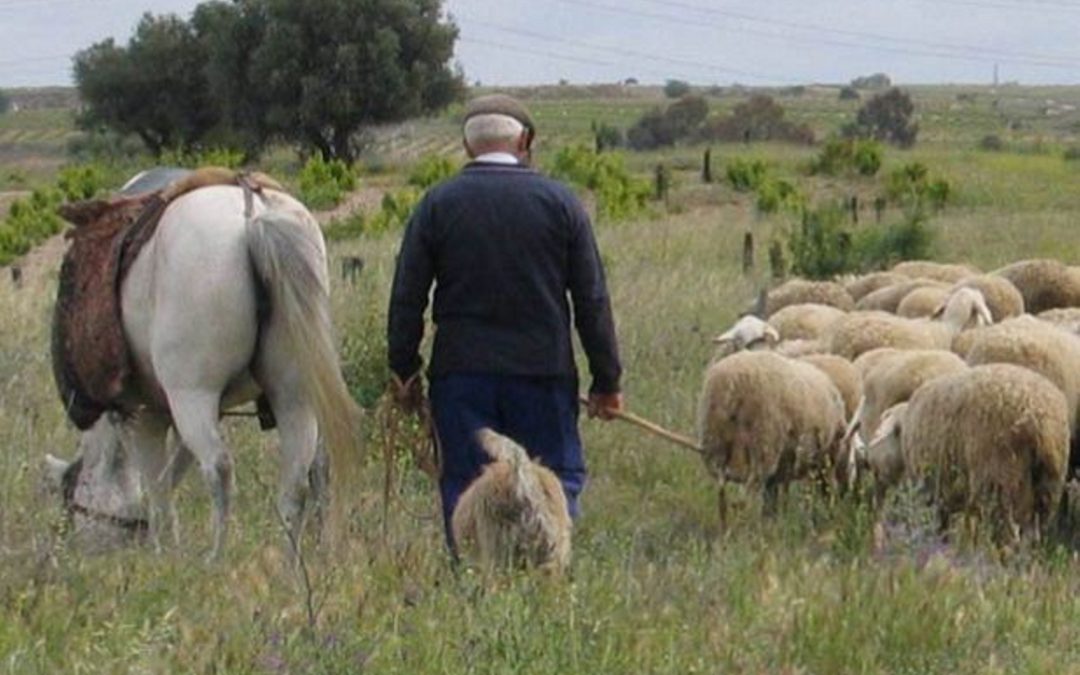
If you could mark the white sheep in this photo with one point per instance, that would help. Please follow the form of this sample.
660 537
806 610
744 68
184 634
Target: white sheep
922 302
802 291
844 377
888 298
990 442
859 332
1066 318
806 321
765 420
925 269
861 286
1045 284
1002 297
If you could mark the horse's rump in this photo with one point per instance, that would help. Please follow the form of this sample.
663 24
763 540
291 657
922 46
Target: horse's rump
90 355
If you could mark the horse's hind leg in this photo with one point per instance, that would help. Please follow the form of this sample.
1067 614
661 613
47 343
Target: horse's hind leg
148 433
195 414
297 425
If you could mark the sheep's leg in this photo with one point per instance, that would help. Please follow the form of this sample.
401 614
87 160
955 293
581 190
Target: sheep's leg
771 496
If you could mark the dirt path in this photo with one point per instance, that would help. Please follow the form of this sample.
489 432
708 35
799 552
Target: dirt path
366 199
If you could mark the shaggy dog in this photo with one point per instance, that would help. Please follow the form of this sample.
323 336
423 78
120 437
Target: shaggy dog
515 513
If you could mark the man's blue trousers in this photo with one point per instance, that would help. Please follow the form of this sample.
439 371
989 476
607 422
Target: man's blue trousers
540 413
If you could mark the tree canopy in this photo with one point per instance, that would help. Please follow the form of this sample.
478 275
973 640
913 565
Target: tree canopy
5 102
888 117
243 72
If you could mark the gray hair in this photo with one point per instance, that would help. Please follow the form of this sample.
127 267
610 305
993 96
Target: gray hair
492 128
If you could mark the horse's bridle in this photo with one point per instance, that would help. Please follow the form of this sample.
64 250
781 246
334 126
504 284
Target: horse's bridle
70 480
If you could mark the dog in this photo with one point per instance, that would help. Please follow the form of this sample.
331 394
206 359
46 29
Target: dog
515 513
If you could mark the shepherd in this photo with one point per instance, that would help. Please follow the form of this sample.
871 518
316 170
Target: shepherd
509 252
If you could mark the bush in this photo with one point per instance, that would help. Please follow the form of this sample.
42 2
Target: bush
676 88
776 194
758 119
912 186
823 246
745 174
846 155
1072 154
104 146
29 222
875 81
323 183
887 117
619 195
432 169
396 208
991 143
349 227
77 182
606 136
661 127
849 94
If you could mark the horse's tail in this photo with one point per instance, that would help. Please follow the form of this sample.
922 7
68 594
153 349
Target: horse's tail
289 257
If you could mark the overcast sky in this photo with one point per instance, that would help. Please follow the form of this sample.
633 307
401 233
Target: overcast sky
702 41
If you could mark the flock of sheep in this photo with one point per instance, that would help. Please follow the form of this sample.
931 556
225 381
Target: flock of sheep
966 383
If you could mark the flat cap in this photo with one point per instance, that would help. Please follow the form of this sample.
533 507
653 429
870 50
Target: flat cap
500 104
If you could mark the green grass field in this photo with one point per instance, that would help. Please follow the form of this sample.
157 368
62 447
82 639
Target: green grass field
655 586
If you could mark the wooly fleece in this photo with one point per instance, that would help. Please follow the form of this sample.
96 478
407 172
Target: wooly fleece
515 513
766 419
1045 284
1002 297
922 302
947 272
844 377
896 376
861 286
991 441
888 298
806 321
801 291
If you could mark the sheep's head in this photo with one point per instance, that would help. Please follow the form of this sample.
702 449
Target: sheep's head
964 308
882 454
749 332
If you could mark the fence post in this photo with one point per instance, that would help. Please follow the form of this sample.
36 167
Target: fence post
748 253
777 264
663 182
706 166
854 206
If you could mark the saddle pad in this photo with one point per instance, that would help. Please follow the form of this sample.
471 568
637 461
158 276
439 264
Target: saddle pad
90 356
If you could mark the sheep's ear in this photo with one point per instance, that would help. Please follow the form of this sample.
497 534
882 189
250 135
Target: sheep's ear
758 308
772 336
983 315
940 311
724 339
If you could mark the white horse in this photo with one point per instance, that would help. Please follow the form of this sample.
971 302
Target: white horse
218 307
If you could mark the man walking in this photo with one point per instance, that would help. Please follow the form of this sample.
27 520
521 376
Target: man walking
504 247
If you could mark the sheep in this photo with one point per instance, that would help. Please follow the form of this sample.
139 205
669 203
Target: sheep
765 419
807 321
894 378
922 302
515 513
1002 297
887 299
1045 284
801 291
925 269
990 442
860 332
1036 345
1065 318
844 377
861 286
748 333
866 361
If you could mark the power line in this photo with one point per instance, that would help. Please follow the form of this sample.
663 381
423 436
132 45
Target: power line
813 41
629 52
993 52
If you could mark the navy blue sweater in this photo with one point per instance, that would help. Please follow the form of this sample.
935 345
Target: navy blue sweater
504 246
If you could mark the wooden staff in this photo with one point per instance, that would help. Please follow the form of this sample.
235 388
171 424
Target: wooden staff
651 427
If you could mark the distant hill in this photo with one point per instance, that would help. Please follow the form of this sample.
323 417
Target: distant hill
43 98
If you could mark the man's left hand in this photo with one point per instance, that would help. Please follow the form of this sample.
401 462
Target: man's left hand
408 395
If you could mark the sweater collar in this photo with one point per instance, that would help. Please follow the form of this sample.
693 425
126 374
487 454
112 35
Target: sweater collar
496 158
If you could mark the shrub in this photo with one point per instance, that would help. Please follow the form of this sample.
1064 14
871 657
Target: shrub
606 136
1072 154
849 94
661 127
745 174
349 227
846 155
887 117
758 119
323 183
776 194
396 208
822 246
676 88
29 221
911 185
77 182
432 169
991 143
619 195
875 81
104 146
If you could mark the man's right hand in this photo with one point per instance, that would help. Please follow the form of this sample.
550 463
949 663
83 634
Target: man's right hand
605 406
